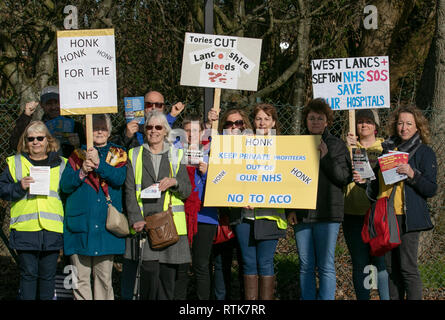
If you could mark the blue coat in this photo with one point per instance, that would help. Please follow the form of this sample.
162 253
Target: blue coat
86 210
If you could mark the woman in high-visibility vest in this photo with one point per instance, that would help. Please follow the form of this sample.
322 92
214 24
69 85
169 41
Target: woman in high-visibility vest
36 225
90 176
155 175
258 229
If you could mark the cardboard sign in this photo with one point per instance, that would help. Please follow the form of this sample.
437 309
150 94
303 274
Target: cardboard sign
216 61
87 71
352 83
263 171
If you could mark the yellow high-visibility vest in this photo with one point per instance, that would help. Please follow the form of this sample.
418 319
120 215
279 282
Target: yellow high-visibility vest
135 156
36 212
279 216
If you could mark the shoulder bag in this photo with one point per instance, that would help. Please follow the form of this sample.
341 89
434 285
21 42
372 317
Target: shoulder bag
161 227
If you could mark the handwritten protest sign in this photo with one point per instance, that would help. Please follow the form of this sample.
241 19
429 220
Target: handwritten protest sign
87 71
352 83
216 61
262 171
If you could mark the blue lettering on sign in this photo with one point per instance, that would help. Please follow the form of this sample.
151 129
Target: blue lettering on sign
280 198
238 198
271 177
256 198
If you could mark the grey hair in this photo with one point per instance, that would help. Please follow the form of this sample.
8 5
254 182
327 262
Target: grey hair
155 114
104 117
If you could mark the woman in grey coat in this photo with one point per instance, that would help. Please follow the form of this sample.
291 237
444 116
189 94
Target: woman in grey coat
159 267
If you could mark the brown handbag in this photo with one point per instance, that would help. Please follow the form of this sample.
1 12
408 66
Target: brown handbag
161 228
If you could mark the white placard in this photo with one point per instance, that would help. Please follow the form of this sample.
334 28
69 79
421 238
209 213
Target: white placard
352 83
87 71
216 61
41 176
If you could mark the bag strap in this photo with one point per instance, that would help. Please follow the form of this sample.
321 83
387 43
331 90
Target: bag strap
391 209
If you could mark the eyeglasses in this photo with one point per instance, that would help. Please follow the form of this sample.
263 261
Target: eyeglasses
158 105
39 138
237 123
316 119
157 127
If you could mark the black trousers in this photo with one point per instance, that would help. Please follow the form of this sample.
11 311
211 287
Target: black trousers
158 280
401 264
201 250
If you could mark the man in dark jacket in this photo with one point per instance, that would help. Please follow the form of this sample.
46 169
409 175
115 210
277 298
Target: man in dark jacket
132 134
70 133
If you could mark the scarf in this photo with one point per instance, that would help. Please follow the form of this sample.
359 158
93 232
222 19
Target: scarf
410 146
116 157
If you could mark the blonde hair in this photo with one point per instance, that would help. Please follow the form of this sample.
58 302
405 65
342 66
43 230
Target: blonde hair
421 122
37 126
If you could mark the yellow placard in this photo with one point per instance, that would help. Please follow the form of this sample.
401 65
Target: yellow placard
82 111
84 33
263 171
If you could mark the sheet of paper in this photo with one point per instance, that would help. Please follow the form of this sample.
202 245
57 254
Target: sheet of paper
388 165
41 176
361 163
152 192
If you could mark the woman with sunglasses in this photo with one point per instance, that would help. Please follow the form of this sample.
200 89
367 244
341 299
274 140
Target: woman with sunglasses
233 121
90 178
36 225
316 230
157 166
259 229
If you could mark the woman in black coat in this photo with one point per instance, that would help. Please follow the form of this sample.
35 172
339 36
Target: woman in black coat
408 131
316 230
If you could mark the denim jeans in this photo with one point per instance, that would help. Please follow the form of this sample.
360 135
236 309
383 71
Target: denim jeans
316 250
37 270
222 254
352 229
257 255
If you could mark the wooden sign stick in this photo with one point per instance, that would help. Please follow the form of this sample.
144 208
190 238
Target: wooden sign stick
89 130
352 127
216 106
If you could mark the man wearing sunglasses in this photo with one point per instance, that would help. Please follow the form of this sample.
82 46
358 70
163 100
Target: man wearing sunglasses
70 133
132 135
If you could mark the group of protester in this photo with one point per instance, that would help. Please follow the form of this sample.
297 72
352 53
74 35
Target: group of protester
72 217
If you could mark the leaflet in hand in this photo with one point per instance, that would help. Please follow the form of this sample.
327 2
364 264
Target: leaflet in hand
41 176
361 163
134 109
388 165
194 156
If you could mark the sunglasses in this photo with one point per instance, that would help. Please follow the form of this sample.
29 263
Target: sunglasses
158 105
31 139
157 127
237 123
